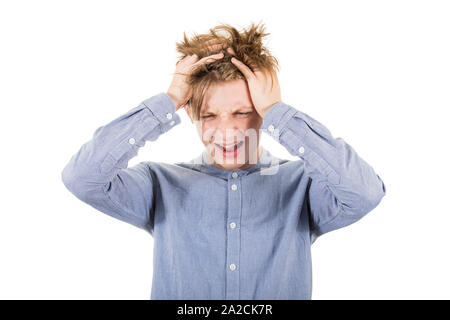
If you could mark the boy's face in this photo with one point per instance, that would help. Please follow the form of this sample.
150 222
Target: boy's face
229 126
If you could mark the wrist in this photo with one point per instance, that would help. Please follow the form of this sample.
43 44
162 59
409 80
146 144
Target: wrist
264 111
175 100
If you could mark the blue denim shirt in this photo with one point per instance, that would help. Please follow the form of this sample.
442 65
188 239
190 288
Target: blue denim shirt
219 234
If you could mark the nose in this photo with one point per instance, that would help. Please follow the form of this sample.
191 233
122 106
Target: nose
226 130
225 122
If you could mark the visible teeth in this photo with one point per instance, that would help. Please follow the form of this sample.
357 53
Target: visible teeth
228 148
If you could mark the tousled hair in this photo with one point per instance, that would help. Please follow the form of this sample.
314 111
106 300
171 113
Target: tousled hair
248 47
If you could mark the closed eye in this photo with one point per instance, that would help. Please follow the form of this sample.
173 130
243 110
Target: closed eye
243 114
212 115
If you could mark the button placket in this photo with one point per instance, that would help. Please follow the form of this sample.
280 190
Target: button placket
233 236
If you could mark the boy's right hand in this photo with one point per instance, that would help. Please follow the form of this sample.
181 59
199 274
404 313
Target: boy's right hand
179 91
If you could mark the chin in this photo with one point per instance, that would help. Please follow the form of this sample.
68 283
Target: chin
231 164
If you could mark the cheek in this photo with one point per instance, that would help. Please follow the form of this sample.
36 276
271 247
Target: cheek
252 122
255 122
205 131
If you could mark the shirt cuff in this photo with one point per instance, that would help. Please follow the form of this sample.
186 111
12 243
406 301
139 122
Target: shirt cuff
276 119
163 109
277 116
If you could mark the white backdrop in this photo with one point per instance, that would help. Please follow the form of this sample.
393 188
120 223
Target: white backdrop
376 73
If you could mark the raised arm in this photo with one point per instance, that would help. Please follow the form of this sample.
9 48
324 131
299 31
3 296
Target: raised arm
343 186
98 173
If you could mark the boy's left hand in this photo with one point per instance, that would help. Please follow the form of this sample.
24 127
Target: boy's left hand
264 89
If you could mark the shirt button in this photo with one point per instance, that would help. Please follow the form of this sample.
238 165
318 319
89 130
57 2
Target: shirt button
169 116
233 187
172 123
131 141
232 267
301 150
271 128
234 175
232 225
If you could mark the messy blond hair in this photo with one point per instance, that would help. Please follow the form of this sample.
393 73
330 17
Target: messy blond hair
248 47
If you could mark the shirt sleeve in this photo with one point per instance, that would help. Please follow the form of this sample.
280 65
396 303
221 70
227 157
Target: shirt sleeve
342 187
98 173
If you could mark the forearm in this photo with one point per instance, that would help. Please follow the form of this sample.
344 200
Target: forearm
354 183
115 143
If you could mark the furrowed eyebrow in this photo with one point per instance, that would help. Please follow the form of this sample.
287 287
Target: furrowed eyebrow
244 108
239 109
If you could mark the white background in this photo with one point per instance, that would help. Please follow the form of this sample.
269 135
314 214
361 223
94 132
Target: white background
376 73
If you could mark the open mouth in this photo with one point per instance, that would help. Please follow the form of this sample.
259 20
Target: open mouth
231 150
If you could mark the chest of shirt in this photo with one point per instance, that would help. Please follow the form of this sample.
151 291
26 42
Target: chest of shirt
202 206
